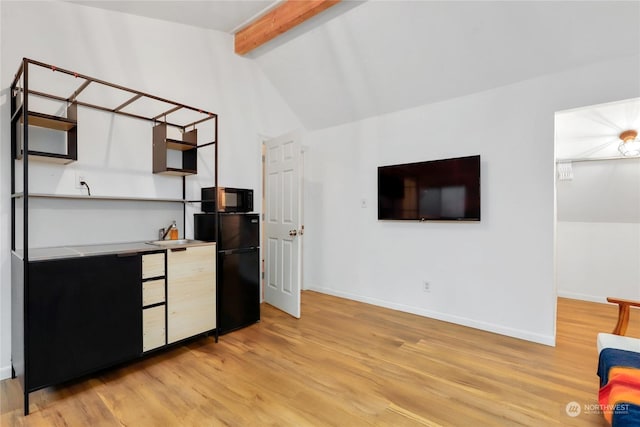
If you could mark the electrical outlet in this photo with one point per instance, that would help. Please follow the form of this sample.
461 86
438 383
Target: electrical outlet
426 286
80 178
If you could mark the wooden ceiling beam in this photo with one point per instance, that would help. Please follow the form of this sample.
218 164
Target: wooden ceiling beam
278 21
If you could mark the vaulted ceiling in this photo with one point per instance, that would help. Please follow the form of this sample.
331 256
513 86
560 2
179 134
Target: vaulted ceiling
376 57
386 56
222 15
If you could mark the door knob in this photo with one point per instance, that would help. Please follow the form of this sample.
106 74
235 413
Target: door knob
293 233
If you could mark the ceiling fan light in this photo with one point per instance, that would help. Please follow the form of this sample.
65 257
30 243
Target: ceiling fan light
630 148
630 145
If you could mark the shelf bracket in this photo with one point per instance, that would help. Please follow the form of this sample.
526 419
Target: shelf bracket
124 104
174 109
75 94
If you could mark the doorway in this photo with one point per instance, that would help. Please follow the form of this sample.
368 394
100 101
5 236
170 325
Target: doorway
597 218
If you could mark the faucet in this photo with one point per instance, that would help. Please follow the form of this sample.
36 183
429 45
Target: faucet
163 233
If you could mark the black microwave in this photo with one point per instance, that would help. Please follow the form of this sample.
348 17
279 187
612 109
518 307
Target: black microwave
228 199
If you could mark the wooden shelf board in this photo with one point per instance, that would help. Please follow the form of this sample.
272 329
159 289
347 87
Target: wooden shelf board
96 198
176 144
50 122
178 172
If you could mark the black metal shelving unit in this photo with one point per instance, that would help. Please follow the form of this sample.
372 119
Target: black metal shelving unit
22 118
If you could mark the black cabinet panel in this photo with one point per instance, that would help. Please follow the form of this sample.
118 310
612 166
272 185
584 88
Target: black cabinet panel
84 314
17 318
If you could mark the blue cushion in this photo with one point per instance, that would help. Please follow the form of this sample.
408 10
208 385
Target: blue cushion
627 416
611 357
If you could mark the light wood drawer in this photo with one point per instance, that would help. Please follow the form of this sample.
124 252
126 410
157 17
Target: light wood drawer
152 292
153 328
191 295
152 265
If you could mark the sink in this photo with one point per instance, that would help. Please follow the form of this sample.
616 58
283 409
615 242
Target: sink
177 242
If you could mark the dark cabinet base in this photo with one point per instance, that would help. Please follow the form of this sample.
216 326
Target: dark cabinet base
80 315
84 314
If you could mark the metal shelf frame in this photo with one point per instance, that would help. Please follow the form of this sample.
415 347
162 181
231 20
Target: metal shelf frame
20 116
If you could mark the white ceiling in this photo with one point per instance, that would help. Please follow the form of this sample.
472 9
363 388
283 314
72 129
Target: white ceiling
593 132
359 60
220 15
384 56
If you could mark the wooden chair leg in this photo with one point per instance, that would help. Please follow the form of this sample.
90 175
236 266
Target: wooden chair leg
624 307
623 319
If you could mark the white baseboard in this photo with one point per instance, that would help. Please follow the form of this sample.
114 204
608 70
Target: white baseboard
5 372
484 326
582 297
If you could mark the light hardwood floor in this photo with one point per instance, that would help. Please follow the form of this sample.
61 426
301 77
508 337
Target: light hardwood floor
345 364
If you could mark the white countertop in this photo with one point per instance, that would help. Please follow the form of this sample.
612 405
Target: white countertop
74 251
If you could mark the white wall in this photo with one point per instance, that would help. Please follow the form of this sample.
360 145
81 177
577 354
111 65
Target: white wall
598 260
185 64
598 231
497 274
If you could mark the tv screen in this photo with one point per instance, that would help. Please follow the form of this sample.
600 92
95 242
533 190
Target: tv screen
437 190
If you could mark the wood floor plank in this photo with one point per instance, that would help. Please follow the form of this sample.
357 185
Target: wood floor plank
343 363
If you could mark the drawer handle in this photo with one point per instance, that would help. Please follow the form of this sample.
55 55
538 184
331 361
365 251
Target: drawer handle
178 249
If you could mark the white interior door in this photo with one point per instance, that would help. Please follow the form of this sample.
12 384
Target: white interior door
283 231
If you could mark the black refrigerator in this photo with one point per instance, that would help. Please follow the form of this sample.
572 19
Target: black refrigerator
238 268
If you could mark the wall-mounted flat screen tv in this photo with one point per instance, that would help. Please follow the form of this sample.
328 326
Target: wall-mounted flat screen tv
437 190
